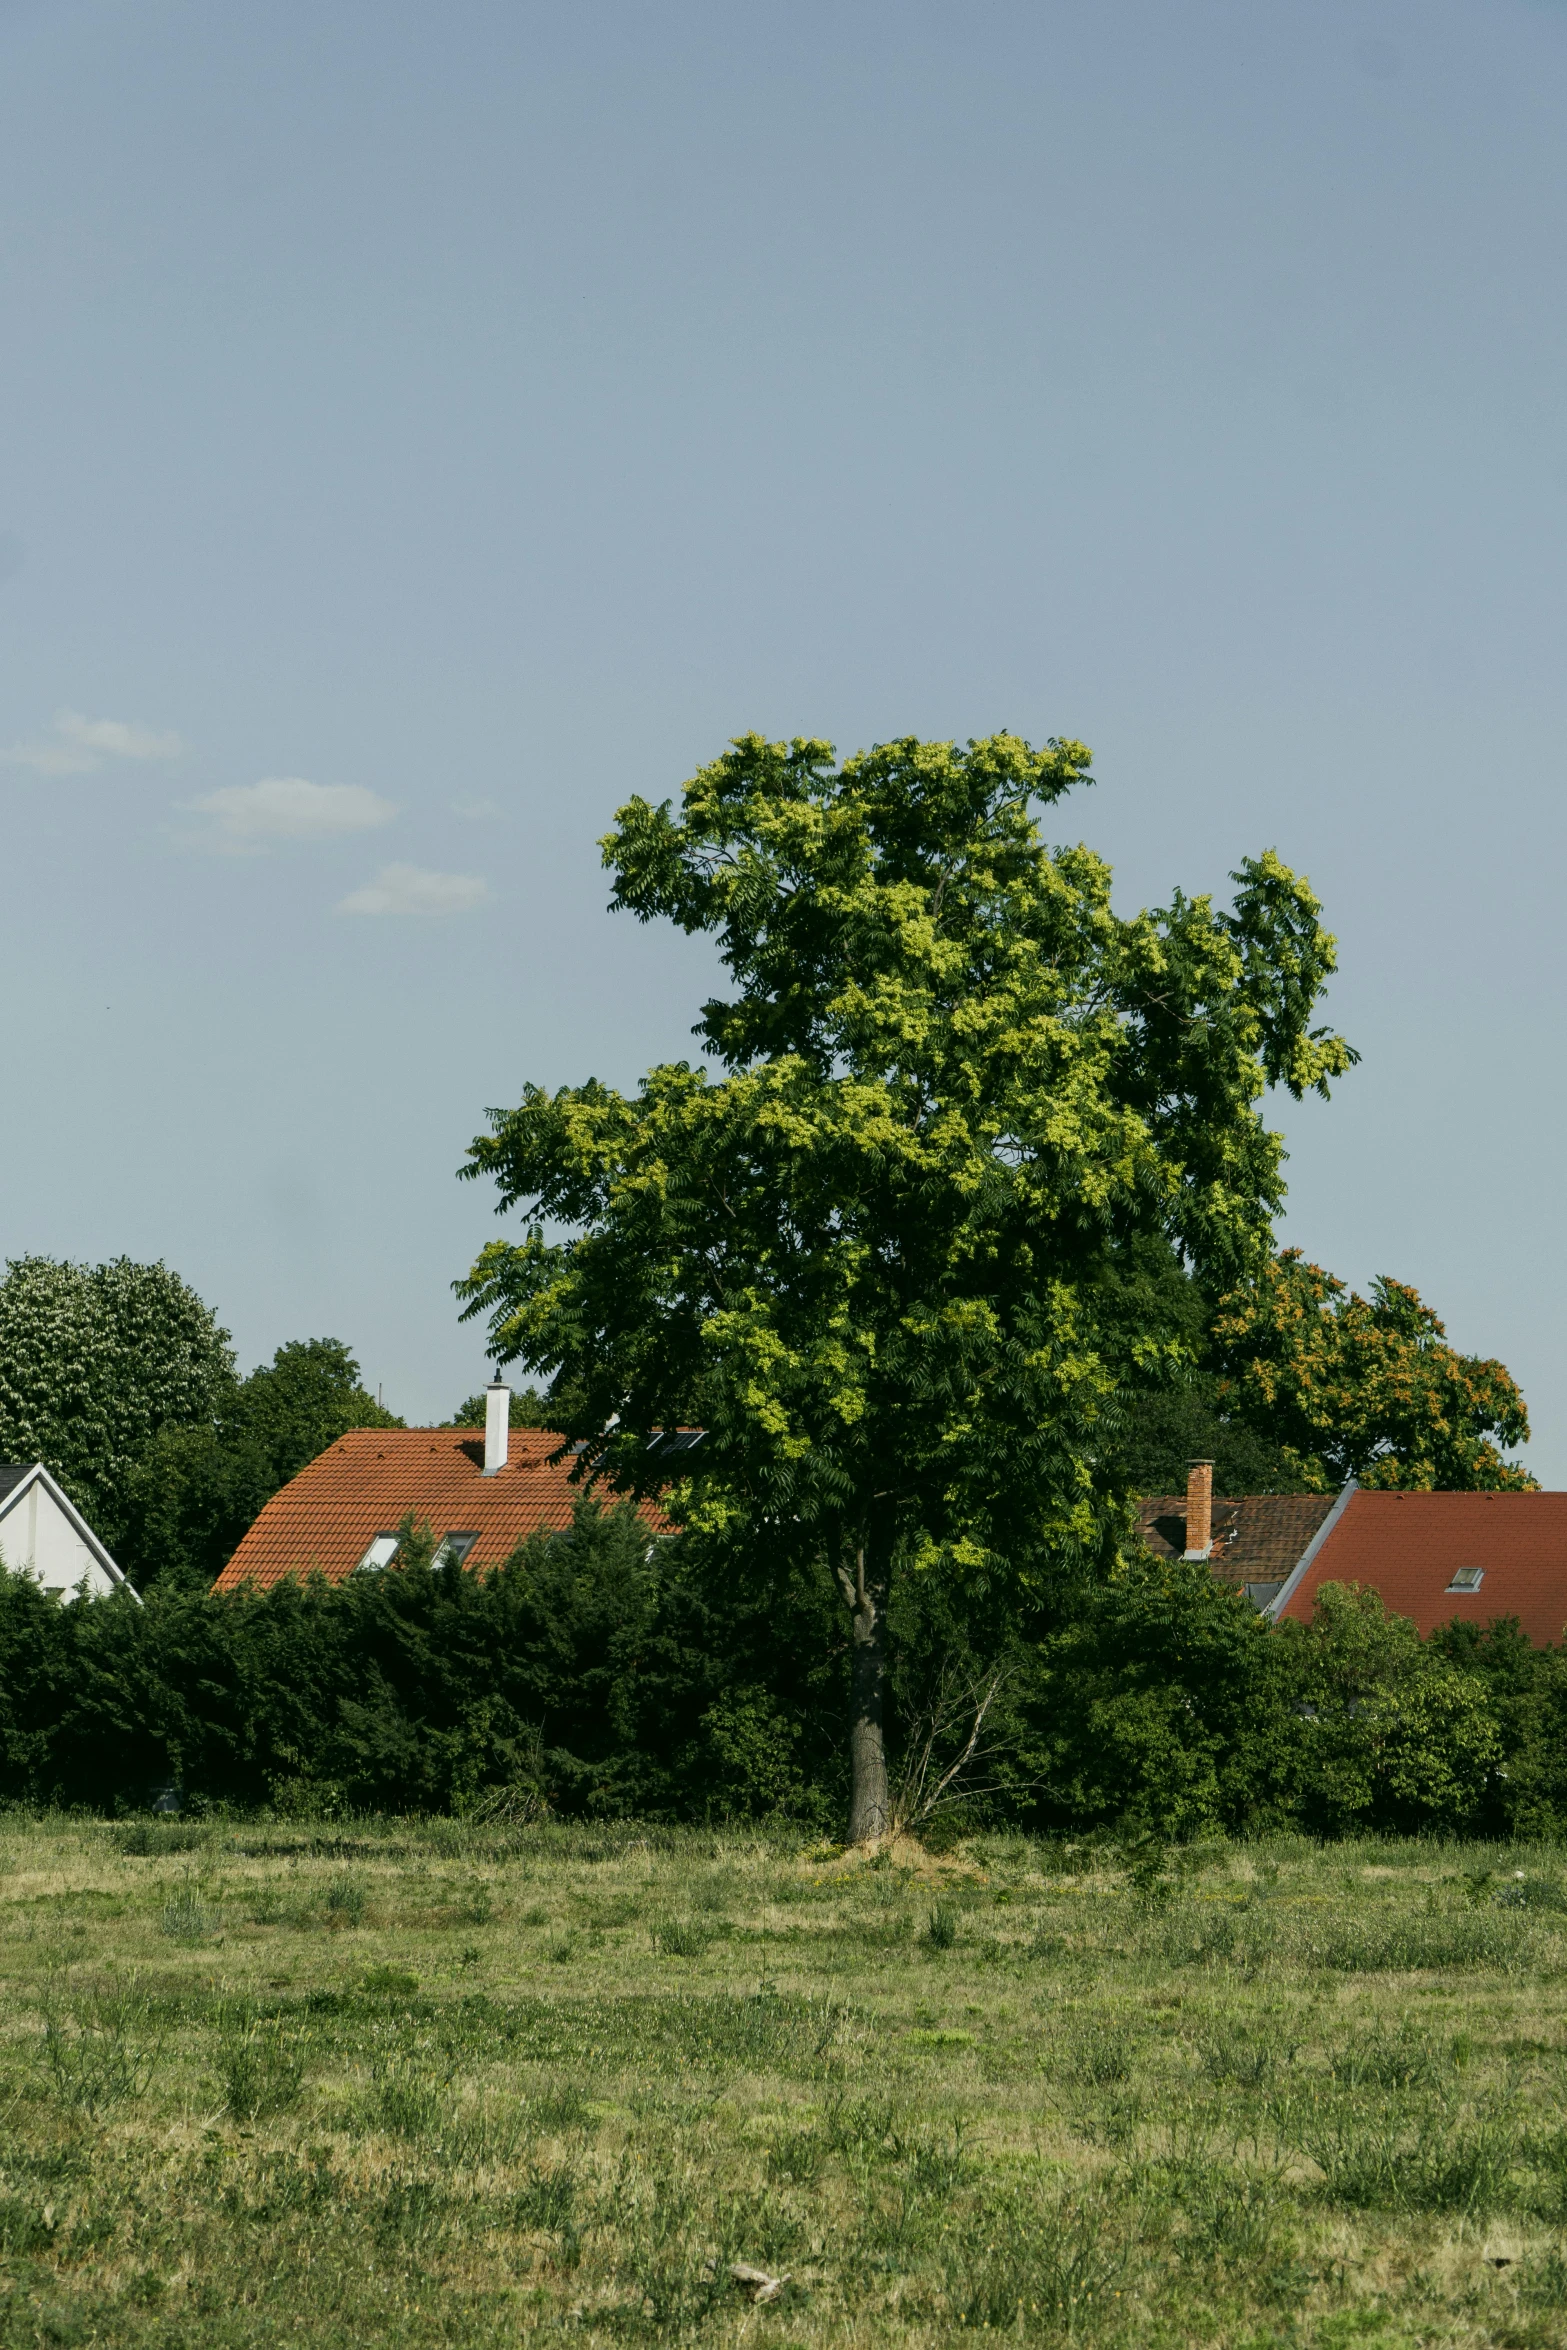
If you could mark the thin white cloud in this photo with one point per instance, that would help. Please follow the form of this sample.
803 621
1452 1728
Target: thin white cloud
410 889
49 758
477 811
252 816
76 745
120 738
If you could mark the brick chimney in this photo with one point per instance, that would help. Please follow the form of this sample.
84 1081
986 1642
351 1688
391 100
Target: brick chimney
497 1426
1199 1509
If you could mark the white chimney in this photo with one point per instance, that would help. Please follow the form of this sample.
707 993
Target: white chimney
497 1426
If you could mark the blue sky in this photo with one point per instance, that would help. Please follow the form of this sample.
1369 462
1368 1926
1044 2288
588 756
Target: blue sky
422 427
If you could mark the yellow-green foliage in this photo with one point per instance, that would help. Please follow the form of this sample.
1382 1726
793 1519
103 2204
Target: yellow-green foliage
866 1255
870 1257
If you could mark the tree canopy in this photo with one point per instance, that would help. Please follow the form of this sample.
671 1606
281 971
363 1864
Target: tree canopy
120 1380
1364 1387
868 1258
1289 1384
198 1487
94 1361
1160 1429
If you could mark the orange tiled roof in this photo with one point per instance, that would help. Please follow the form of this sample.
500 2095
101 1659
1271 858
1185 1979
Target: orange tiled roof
1409 1546
325 1519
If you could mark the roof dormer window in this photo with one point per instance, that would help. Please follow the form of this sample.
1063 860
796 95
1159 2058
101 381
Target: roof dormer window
1467 1579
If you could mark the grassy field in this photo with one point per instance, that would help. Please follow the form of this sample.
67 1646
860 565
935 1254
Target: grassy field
436 2084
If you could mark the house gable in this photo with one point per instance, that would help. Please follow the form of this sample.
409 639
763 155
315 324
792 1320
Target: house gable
43 1534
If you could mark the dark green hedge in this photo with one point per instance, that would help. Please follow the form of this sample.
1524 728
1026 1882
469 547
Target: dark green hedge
604 1674
588 1671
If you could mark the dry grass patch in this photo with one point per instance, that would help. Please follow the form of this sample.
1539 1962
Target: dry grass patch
454 2085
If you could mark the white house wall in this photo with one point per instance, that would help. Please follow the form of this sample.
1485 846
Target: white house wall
38 1537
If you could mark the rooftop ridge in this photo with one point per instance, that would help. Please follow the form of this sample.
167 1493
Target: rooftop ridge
336 1515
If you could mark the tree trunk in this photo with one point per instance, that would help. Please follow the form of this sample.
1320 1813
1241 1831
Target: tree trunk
865 1589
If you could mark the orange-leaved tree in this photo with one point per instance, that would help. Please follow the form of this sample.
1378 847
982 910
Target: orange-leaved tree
1364 1387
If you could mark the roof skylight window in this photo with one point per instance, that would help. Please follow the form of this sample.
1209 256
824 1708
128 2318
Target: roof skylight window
454 1549
1467 1579
381 1553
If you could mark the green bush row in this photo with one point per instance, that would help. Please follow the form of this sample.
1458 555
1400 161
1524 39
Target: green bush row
599 1674
596 1673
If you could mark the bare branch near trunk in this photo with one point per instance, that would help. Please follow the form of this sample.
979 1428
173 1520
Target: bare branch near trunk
956 1705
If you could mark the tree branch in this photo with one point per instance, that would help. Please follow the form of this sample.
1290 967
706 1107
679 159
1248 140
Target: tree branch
913 1804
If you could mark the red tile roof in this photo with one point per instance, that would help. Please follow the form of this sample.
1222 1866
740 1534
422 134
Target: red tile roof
1257 1537
1408 1546
326 1518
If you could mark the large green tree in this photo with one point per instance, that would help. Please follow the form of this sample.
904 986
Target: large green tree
867 1257
95 1360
